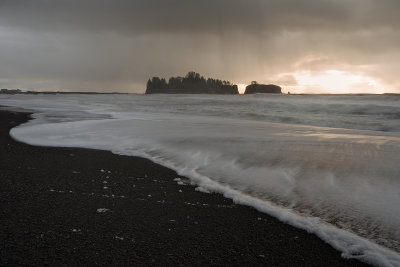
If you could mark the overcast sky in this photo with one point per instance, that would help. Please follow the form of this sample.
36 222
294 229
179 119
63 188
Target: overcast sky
104 45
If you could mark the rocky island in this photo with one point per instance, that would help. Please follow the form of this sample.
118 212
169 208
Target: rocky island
255 88
192 83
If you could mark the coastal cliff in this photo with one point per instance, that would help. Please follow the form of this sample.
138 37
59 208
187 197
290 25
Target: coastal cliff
255 88
192 83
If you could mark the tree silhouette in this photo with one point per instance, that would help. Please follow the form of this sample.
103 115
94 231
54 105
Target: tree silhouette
192 83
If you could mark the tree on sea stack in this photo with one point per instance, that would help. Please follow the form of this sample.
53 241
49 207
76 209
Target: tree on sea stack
192 83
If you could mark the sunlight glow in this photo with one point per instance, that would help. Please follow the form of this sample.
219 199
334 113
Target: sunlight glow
241 88
336 82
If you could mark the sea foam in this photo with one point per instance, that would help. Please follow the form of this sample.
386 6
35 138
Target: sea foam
274 153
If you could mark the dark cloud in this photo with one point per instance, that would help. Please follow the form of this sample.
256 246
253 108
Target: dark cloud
111 45
206 16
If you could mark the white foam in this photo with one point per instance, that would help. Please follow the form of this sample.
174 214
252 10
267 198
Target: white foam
351 245
102 210
339 183
201 189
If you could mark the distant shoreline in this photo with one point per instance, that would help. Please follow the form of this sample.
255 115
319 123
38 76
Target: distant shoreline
11 92
169 94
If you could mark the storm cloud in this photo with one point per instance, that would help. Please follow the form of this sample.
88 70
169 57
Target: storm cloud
99 45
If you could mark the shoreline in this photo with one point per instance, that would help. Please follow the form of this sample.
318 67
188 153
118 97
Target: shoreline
81 206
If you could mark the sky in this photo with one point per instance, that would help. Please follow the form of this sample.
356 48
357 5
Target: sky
306 46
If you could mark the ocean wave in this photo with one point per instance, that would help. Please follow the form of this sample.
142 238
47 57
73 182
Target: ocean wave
270 152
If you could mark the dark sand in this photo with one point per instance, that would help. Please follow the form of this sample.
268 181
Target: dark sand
46 193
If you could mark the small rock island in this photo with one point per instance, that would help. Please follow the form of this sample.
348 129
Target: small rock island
192 83
255 88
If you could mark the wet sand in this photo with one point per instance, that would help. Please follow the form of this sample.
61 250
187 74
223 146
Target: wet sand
64 206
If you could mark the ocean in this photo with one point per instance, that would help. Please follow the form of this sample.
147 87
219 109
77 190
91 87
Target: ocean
329 164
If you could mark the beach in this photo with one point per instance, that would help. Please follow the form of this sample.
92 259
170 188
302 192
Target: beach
71 206
220 133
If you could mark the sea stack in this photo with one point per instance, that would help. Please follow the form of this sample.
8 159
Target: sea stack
192 83
255 88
